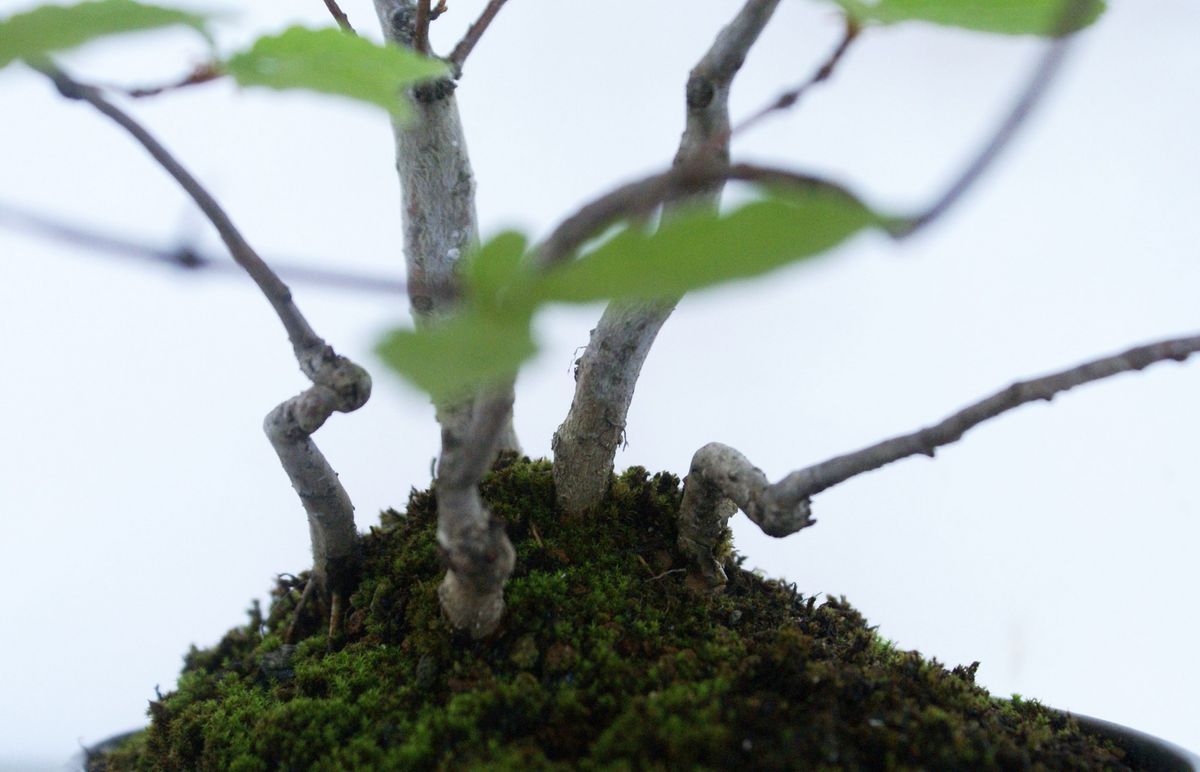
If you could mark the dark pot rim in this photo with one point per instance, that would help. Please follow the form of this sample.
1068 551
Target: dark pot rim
1144 750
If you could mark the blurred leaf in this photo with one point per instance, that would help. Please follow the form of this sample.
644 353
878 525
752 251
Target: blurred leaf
1010 17
453 358
50 28
698 250
495 266
331 61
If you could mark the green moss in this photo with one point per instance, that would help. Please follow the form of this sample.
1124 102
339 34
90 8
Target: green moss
606 660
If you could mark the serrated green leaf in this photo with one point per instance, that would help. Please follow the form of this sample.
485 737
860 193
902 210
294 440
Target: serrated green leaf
330 61
494 267
451 359
1009 17
699 250
51 28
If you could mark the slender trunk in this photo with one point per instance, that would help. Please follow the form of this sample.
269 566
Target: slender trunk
438 204
586 443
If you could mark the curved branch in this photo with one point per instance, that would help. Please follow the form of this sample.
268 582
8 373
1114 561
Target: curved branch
607 373
338 384
474 33
719 474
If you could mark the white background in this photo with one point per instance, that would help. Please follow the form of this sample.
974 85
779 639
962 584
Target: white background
141 508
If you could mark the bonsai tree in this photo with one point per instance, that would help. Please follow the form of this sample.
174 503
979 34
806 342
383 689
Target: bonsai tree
638 247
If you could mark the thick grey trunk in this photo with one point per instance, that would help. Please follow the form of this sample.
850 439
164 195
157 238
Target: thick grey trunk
440 225
438 203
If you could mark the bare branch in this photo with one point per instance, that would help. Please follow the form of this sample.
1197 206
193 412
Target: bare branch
339 16
1044 74
337 383
607 373
792 96
639 198
421 34
277 293
203 73
720 473
465 46
187 258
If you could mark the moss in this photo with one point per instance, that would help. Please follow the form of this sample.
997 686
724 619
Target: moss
606 660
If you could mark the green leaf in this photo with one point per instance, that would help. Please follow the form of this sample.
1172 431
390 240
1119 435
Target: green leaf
50 28
495 267
451 359
698 250
331 61
1010 17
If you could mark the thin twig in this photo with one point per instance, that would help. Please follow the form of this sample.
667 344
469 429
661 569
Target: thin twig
789 98
339 16
276 292
814 479
1044 74
666 574
421 28
643 196
203 73
188 258
338 385
474 33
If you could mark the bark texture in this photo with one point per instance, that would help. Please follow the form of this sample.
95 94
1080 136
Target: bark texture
338 384
586 443
723 480
438 202
440 225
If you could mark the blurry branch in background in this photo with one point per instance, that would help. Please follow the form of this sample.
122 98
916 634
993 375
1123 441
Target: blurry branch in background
1044 74
792 96
185 257
474 33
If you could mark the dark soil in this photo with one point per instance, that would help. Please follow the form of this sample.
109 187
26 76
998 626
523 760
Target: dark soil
607 659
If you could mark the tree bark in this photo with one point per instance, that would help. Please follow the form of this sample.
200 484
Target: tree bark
438 203
586 443
722 480
440 225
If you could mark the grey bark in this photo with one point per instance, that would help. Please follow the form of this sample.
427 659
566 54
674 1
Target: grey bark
722 480
440 225
606 375
479 556
338 384
438 203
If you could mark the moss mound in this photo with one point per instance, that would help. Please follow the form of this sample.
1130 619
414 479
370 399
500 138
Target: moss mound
606 660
